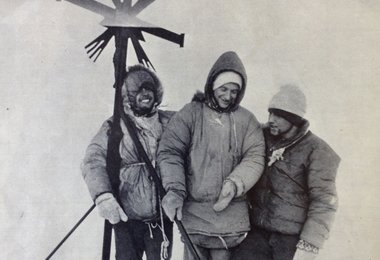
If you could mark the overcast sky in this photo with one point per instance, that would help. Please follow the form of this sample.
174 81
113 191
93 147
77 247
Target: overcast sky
53 99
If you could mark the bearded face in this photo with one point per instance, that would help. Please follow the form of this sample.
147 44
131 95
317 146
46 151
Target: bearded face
143 102
139 95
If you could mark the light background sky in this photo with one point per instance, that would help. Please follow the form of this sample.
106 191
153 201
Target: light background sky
53 99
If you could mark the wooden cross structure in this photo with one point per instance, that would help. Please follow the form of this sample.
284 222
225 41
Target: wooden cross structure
124 16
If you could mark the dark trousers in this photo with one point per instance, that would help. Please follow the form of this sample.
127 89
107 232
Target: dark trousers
134 237
261 244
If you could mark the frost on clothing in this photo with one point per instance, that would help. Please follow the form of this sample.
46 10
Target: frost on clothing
94 164
296 194
201 147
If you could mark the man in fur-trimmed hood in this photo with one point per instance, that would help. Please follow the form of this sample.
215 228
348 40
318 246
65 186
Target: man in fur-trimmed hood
135 213
210 155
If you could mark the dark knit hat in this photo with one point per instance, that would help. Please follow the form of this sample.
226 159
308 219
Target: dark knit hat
292 118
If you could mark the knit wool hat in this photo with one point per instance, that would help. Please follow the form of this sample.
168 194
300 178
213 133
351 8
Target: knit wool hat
227 77
291 99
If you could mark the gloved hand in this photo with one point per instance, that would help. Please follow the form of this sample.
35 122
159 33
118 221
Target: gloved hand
110 209
172 204
304 255
226 195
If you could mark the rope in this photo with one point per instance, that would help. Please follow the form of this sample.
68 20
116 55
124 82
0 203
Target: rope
165 243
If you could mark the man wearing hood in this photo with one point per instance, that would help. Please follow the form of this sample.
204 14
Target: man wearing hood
210 155
138 226
295 200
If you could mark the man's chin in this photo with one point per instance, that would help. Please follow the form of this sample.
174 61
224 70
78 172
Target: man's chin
143 110
224 105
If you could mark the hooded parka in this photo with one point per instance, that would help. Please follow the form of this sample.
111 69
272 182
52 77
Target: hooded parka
133 170
204 145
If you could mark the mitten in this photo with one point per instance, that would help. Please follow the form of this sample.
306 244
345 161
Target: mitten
227 193
172 204
110 209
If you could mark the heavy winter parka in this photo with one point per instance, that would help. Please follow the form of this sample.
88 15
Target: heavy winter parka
297 194
137 191
201 147
132 167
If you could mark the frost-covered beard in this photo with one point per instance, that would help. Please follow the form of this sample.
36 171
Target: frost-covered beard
143 103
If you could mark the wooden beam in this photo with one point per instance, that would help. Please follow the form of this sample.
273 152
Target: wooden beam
166 34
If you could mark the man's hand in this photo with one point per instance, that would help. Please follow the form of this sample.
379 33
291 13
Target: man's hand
172 204
226 195
109 209
304 255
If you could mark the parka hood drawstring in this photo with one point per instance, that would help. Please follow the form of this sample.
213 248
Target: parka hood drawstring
232 136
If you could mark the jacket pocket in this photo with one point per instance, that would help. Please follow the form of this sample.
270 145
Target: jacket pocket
137 192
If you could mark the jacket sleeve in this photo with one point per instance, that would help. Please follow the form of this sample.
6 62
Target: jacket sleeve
165 116
321 175
94 164
249 170
173 150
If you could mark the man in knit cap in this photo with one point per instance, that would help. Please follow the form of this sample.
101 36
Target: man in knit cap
295 200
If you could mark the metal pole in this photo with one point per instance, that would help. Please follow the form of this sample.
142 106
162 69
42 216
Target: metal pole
113 157
70 232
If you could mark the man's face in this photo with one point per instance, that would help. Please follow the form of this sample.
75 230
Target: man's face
141 99
278 125
226 95
144 101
